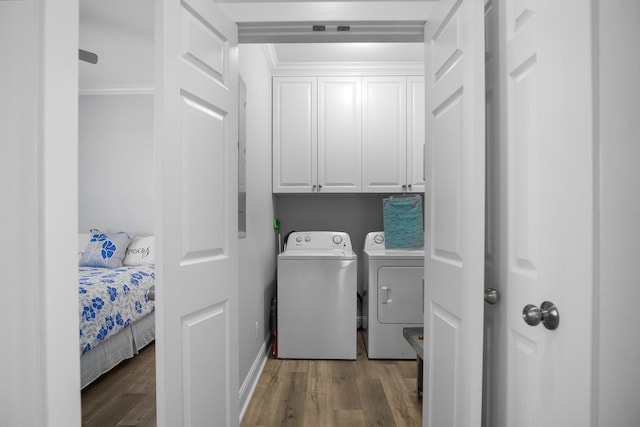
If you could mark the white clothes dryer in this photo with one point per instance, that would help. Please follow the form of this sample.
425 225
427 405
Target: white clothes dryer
394 297
317 297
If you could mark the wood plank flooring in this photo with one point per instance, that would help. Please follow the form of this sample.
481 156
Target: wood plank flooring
301 393
321 393
126 396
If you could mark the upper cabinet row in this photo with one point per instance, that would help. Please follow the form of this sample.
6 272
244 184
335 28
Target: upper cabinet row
348 134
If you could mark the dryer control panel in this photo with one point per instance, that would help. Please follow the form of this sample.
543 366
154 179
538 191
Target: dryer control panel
374 240
319 240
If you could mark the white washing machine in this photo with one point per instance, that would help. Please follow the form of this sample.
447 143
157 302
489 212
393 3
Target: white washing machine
317 296
394 297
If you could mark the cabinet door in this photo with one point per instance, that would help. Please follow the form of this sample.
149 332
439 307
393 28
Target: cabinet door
384 127
294 134
415 133
339 135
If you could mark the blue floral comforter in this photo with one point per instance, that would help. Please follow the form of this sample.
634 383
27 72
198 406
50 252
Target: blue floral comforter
111 299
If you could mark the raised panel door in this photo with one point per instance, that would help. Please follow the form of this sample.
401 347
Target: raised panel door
384 129
454 214
196 149
295 134
339 135
546 204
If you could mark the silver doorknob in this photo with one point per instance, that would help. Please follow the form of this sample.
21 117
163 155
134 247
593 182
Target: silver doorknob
490 296
547 314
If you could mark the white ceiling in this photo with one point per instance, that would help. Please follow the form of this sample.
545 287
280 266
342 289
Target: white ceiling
332 10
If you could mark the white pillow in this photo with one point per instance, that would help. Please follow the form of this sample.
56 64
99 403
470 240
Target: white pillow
141 251
83 241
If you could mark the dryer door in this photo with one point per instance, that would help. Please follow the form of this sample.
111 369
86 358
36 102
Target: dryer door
400 295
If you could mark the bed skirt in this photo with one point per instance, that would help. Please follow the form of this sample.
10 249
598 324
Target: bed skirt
124 345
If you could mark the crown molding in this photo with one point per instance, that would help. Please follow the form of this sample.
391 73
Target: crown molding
349 68
338 68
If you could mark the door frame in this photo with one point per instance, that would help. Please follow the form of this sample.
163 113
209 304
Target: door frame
60 62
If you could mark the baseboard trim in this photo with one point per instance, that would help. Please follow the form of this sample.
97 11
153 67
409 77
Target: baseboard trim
251 380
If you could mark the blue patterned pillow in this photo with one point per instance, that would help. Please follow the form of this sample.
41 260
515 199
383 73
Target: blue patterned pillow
105 250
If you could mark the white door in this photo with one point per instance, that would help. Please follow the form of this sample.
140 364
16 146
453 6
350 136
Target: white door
196 167
547 207
454 214
415 134
295 134
384 133
339 135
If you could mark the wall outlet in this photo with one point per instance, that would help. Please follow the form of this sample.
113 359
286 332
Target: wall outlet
257 327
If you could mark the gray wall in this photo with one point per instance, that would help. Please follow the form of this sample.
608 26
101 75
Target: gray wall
617 347
356 214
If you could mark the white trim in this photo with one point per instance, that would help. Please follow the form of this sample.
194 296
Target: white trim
251 380
331 31
117 90
271 56
349 69
300 69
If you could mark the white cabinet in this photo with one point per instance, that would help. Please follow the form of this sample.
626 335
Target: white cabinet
339 134
348 134
384 133
295 138
393 134
316 134
415 134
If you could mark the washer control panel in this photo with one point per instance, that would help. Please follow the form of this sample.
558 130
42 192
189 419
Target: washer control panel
319 240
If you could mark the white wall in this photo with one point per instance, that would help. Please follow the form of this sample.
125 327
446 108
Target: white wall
257 251
120 32
39 360
115 163
618 291
115 129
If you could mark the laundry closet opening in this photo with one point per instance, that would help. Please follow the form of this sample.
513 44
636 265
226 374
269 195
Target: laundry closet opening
361 141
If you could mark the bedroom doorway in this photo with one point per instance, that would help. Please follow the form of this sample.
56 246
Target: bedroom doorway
116 190
132 83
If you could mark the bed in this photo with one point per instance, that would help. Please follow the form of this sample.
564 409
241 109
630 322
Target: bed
117 318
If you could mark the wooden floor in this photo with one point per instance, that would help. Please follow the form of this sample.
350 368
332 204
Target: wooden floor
126 396
336 393
301 393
